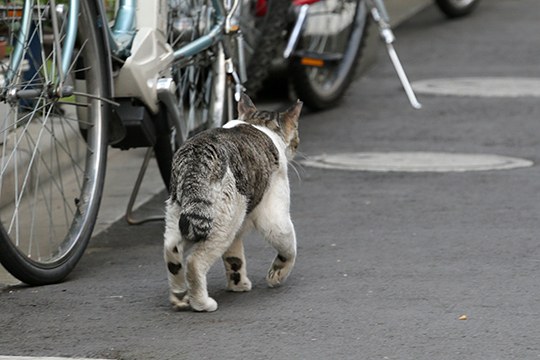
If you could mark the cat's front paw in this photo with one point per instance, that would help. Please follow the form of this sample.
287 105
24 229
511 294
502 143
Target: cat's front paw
241 286
207 305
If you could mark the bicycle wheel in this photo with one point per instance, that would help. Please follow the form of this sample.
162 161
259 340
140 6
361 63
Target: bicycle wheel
200 80
53 142
263 23
329 49
457 8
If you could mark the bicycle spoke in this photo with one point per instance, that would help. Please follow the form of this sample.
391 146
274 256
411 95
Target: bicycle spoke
18 197
52 139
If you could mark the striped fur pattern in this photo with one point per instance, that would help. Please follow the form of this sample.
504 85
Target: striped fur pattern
224 182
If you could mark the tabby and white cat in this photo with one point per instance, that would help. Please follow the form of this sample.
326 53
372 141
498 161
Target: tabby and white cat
224 182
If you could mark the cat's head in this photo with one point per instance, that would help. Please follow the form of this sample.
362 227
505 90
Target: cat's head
284 124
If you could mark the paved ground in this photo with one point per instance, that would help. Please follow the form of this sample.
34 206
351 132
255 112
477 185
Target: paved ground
388 262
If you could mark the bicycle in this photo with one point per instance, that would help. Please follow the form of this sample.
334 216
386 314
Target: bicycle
72 85
326 44
327 40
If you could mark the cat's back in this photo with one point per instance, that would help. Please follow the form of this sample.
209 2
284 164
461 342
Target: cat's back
242 152
241 145
247 152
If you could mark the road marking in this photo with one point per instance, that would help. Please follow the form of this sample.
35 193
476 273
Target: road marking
415 162
42 358
511 87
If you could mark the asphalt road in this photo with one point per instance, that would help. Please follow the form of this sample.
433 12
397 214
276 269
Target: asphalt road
388 262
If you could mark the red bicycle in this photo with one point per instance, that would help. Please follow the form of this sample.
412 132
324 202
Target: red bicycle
326 43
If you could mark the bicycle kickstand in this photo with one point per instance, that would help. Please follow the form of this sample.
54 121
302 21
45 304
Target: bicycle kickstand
380 15
129 216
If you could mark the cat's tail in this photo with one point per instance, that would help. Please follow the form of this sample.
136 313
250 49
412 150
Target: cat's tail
196 220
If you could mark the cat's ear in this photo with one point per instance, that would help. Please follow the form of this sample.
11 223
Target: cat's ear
290 120
291 115
245 107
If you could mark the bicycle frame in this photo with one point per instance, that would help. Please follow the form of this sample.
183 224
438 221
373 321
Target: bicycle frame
123 41
124 24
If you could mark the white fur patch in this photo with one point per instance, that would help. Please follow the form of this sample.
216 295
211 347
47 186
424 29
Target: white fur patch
278 142
233 123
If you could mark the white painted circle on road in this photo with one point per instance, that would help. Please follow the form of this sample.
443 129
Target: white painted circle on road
415 162
41 358
480 86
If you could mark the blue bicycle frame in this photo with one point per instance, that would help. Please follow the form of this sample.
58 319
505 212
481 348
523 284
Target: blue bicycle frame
120 36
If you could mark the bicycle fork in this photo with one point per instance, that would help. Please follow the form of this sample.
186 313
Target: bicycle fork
30 15
237 77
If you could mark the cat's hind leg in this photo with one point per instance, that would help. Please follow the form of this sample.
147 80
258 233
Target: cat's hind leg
203 256
229 216
235 265
173 253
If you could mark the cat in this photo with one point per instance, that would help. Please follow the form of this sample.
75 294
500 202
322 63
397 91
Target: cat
224 182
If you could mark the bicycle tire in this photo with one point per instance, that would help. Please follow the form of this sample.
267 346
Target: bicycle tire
54 149
457 8
263 33
200 83
323 65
